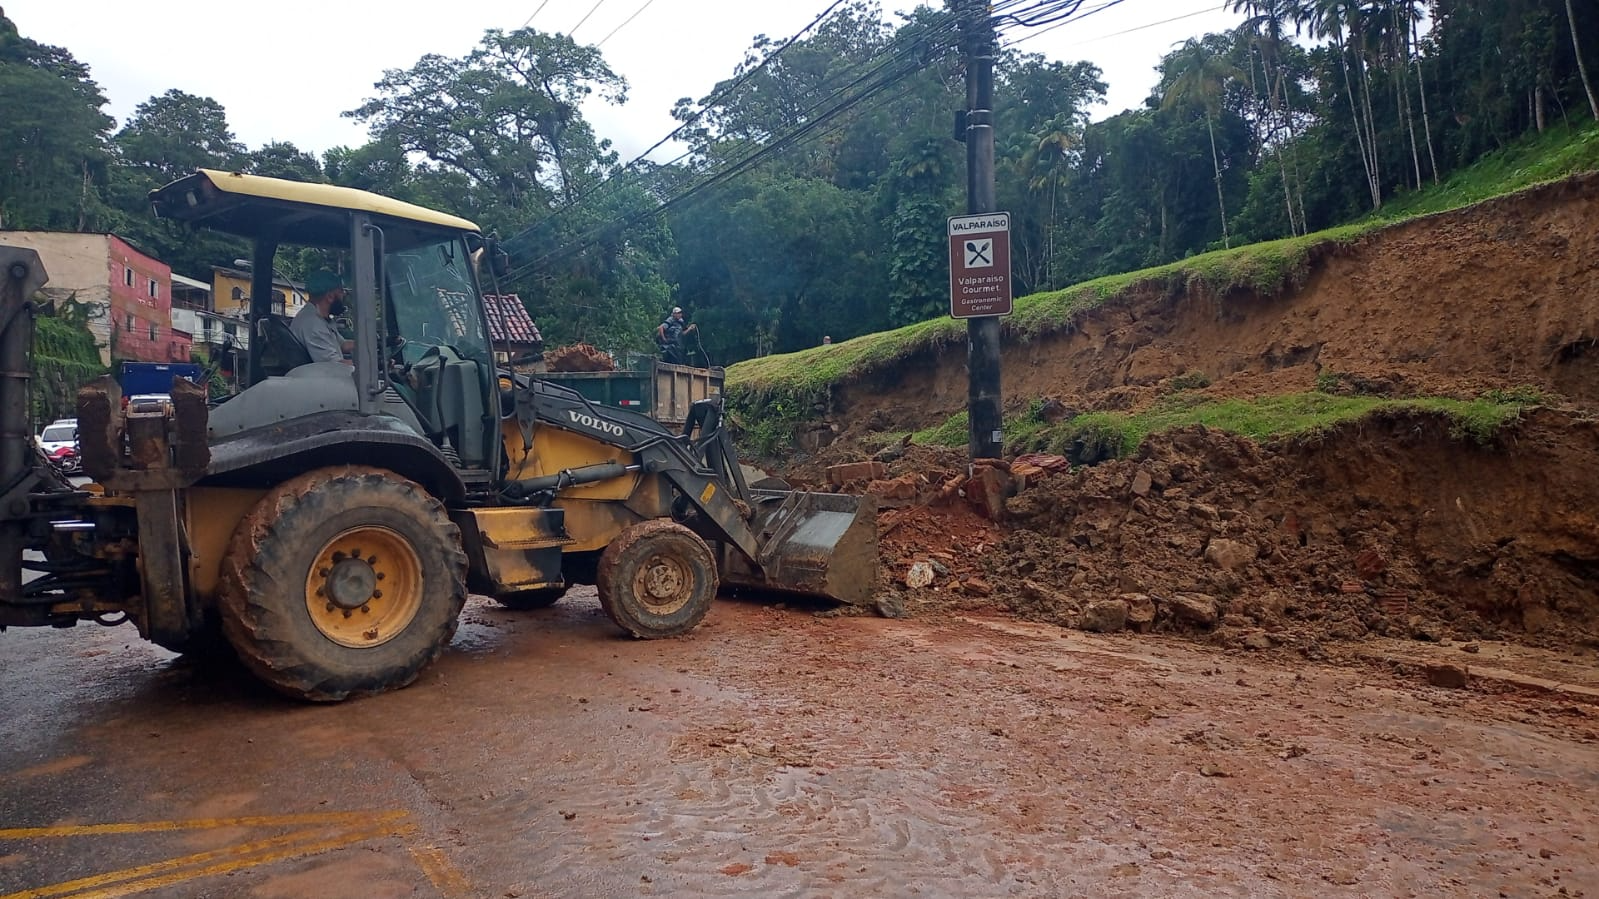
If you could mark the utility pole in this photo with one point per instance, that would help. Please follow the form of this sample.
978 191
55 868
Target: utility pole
985 435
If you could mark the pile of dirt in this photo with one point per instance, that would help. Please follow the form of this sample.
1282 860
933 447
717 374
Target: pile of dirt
1394 527
579 357
1390 525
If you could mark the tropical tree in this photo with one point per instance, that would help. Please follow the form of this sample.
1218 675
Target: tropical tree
1582 66
52 137
281 159
167 137
506 117
1197 75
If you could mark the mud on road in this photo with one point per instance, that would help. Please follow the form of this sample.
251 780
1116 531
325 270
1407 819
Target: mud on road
776 752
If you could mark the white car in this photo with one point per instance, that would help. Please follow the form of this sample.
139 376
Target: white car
59 440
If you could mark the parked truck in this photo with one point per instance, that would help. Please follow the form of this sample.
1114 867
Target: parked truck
326 523
663 391
155 378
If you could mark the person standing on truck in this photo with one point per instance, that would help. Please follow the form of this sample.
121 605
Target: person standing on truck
669 335
313 325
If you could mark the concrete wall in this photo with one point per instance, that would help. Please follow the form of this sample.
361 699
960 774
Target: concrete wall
73 261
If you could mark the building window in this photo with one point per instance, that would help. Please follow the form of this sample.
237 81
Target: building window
127 276
128 325
155 332
231 330
205 324
238 294
154 290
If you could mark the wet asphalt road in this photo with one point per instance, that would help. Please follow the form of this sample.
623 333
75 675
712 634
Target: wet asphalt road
775 753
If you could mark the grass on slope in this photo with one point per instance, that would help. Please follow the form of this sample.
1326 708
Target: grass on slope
1100 435
798 380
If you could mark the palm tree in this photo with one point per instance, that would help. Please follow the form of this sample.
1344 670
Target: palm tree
1047 163
1330 19
1266 22
1582 67
1197 75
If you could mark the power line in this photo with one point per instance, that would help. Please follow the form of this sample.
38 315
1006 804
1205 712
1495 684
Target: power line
811 130
1124 31
535 13
592 9
1049 11
624 24
687 123
804 133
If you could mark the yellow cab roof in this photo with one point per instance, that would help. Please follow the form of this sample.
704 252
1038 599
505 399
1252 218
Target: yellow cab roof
194 198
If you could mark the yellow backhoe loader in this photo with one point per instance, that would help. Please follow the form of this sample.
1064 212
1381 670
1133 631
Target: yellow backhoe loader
328 521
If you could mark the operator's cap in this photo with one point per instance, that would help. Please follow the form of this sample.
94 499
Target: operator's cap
676 309
321 281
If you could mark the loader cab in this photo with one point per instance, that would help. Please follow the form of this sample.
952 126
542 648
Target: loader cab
421 356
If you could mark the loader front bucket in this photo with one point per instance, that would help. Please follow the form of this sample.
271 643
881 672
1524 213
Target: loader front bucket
818 544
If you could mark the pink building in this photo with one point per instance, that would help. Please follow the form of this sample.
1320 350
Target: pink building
128 294
141 304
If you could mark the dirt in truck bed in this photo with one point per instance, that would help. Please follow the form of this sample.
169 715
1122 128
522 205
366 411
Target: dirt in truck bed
579 357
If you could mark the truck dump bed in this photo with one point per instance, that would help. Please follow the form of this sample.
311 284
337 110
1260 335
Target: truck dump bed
658 389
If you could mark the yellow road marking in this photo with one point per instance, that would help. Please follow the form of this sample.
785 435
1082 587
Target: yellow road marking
446 877
347 819
84 883
255 858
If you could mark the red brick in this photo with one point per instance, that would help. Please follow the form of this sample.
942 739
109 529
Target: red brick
839 475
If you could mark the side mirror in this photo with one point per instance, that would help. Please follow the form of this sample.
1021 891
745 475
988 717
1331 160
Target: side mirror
499 261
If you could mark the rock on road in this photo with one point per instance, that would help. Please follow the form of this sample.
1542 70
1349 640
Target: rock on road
778 753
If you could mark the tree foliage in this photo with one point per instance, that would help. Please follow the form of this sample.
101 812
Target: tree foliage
812 193
52 137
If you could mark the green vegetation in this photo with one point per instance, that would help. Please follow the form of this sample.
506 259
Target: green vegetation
1264 268
1557 153
1101 435
952 432
64 359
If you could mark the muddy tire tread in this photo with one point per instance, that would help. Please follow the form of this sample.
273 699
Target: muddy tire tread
612 576
256 602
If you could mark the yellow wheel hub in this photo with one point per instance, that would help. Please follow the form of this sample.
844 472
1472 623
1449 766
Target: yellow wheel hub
664 584
364 587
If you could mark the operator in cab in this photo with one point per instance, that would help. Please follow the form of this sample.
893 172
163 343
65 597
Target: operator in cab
669 335
313 325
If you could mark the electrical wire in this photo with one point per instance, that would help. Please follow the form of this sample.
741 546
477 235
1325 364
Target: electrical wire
1125 31
535 13
1052 13
803 134
811 130
625 23
687 123
592 9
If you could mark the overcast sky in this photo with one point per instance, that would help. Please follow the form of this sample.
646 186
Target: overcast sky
286 70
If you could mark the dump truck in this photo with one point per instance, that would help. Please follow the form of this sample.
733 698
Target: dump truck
661 390
155 378
327 522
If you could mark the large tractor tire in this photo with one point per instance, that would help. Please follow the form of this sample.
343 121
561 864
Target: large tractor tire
527 600
342 582
657 579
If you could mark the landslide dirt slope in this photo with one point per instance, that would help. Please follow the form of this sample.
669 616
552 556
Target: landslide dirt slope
1389 525
1501 294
